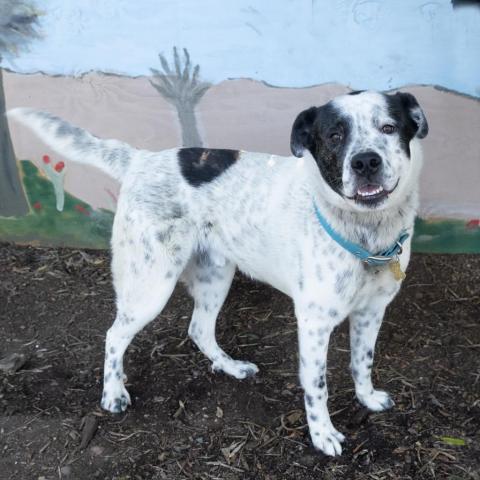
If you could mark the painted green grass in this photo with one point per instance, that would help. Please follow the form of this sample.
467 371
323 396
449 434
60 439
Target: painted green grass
445 236
77 225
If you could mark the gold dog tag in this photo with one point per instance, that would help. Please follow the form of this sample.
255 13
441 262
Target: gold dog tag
395 268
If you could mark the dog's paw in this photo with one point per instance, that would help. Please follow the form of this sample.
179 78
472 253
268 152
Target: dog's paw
328 440
235 368
115 400
377 401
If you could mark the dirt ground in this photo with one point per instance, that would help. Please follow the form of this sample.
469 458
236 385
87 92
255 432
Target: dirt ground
186 422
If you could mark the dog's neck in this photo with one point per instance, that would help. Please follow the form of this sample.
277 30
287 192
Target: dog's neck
375 230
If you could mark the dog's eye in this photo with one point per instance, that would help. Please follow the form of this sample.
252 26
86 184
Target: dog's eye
336 137
388 129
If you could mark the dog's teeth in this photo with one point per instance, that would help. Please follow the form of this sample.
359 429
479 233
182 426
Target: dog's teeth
371 192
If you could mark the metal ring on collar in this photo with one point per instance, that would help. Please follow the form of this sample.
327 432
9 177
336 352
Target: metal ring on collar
400 248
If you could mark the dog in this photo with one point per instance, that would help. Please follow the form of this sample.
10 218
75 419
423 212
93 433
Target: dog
330 226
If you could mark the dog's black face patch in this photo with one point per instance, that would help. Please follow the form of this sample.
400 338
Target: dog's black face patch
202 165
324 132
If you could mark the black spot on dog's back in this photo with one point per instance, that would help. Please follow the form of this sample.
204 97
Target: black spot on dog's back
356 92
202 165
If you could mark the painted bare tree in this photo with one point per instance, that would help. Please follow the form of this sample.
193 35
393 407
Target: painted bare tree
182 87
18 22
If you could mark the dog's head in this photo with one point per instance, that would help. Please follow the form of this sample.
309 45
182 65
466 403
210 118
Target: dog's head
363 144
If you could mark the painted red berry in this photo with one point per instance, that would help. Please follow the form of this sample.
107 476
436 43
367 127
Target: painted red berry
59 166
474 223
37 206
46 159
81 209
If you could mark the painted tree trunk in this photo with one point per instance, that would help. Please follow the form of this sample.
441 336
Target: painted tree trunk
188 124
13 202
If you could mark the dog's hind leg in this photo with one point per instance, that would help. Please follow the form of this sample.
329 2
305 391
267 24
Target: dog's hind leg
145 271
208 280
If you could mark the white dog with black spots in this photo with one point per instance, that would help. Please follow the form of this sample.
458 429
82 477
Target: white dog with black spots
197 214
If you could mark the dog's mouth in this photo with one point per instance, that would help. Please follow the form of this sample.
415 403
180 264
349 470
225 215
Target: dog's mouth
371 194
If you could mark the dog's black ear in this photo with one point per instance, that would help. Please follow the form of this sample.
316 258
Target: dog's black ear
301 137
410 104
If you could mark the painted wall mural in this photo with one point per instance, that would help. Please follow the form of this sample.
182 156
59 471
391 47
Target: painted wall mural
18 21
160 73
181 87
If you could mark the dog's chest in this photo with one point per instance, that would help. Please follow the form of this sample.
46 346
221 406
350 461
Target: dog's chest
337 279
376 283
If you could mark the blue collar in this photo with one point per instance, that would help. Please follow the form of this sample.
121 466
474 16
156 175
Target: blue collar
381 258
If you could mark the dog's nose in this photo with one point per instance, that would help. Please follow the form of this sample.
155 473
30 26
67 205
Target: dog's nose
366 163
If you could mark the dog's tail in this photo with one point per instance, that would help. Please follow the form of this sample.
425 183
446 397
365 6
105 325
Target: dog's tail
111 156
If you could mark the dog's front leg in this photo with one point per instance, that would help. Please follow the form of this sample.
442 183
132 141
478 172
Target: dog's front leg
364 328
314 333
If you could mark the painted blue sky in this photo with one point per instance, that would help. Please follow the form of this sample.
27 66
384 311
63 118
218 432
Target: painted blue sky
378 44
